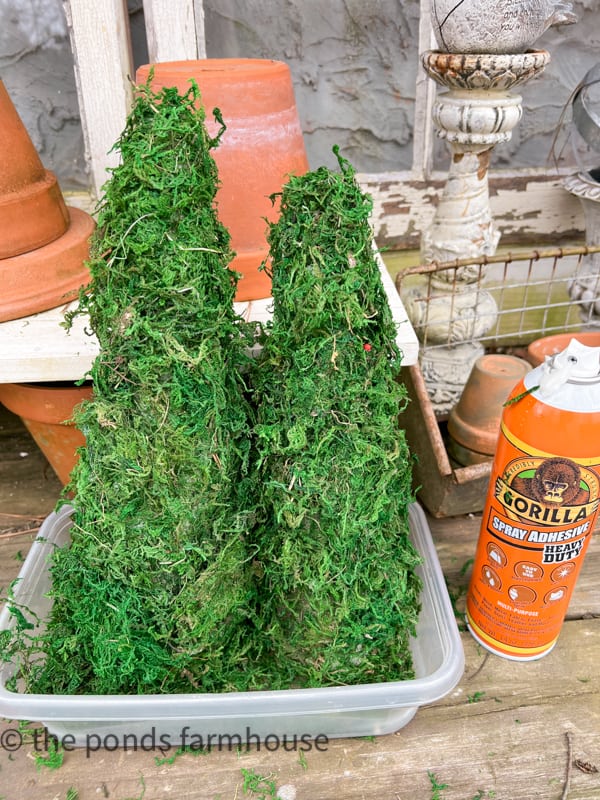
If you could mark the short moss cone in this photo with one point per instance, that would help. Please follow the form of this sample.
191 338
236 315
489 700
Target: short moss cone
340 594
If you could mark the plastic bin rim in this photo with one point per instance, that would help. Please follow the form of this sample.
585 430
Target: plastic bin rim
303 701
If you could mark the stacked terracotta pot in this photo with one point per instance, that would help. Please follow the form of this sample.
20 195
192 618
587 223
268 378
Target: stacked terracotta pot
474 422
43 243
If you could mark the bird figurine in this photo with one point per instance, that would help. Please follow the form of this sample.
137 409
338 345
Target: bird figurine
495 26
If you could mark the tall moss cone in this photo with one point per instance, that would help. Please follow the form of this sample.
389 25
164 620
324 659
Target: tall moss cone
152 594
336 564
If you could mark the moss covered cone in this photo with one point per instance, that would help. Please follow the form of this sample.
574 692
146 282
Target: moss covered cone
152 594
336 563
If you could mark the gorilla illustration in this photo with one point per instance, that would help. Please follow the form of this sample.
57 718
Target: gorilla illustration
556 482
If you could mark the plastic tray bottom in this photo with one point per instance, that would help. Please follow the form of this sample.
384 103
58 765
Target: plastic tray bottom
362 710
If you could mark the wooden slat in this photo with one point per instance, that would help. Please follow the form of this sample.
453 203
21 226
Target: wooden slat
38 348
99 33
425 94
170 30
530 208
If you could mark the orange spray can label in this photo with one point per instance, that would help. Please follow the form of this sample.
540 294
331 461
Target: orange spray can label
537 523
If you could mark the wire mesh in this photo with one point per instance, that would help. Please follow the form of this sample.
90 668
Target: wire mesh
535 294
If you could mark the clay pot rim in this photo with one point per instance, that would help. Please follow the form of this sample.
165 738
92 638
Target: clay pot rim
497 359
247 66
466 435
540 348
50 275
43 402
474 422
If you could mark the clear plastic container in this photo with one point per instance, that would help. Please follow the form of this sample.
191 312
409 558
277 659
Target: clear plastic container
241 717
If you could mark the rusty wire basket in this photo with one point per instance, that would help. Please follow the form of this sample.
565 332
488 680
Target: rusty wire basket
534 294
537 293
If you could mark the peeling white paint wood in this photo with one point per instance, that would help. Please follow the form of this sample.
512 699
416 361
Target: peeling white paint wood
171 30
425 95
100 42
529 208
101 45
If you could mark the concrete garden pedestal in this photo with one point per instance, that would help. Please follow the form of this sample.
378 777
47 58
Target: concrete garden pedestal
478 111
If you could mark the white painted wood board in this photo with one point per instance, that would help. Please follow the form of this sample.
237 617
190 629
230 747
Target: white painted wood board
171 30
38 348
99 34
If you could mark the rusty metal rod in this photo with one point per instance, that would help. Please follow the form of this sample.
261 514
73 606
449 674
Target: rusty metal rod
508 258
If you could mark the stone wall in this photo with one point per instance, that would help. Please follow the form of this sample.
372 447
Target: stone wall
354 64
36 67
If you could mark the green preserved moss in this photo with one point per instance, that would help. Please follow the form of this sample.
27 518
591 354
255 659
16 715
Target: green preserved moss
152 594
337 581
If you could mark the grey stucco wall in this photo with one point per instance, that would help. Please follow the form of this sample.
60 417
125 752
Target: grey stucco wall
354 65
573 49
36 66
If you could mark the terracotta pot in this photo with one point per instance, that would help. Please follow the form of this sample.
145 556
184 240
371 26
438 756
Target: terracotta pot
49 276
261 147
550 345
474 423
43 242
46 409
32 210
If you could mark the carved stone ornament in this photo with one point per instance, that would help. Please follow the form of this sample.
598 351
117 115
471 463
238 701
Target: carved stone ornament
486 72
451 319
584 289
495 26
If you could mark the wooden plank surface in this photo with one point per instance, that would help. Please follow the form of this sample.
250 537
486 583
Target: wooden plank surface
501 734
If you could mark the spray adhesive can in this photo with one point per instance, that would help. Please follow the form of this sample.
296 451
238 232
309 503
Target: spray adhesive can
541 506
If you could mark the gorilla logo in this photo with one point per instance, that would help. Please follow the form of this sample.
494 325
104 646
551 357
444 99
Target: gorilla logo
557 482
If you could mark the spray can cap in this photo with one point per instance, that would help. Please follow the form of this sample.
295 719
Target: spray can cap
577 363
569 380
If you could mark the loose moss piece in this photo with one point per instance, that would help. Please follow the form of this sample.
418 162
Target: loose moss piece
336 566
152 594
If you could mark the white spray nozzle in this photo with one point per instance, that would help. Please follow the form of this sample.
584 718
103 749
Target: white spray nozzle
575 363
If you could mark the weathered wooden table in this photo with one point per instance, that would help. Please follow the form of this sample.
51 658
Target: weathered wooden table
509 731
